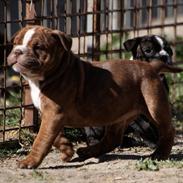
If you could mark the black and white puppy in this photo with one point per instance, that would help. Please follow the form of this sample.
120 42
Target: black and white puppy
145 48
148 48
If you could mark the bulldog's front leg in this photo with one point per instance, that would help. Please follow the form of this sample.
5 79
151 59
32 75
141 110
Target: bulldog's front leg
49 129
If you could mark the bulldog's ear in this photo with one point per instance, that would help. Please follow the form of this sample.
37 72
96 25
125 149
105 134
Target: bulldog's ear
132 44
64 39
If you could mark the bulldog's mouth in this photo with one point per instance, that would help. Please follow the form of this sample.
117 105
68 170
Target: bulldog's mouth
26 72
29 65
13 63
17 67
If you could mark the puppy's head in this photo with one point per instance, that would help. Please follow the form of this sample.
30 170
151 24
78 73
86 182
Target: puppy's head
38 51
150 47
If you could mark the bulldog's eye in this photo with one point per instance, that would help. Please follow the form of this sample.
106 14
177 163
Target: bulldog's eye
39 47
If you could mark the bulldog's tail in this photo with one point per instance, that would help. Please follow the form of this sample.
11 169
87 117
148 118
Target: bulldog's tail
161 67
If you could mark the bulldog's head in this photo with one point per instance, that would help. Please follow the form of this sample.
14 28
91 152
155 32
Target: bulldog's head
150 47
38 50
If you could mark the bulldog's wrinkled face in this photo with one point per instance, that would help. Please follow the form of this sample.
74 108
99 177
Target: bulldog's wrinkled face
37 51
150 47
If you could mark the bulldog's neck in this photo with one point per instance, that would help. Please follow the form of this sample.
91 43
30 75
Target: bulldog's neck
36 86
55 77
35 93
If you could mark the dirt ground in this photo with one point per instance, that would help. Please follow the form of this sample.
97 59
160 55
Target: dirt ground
118 166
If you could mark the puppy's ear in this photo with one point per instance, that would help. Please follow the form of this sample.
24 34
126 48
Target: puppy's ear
64 39
132 44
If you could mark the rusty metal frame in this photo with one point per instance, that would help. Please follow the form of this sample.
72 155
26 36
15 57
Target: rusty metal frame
67 15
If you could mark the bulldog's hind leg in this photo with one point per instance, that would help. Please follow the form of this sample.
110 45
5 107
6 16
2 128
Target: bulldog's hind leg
65 147
112 138
166 135
159 113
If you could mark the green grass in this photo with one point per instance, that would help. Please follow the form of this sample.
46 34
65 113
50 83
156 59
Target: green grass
13 116
9 150
4 153
171 164
74 134
38 175
148 164
27 137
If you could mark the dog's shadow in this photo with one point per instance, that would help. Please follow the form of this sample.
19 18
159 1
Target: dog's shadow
113 157
78 162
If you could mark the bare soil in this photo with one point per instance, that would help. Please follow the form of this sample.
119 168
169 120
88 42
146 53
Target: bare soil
115 167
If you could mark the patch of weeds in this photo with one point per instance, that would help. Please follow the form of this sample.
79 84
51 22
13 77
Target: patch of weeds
9 148
6 152
13 116
154 165
171 164
27 137
14 98
178 124
147 165
74 134
37 175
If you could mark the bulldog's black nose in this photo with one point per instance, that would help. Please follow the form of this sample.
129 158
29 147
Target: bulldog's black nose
18 52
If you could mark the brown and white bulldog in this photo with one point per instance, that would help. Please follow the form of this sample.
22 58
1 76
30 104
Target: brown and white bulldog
71 92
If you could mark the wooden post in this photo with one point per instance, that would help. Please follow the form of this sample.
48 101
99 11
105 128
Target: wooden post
30 114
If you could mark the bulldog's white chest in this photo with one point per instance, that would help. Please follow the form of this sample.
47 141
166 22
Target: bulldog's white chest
35 94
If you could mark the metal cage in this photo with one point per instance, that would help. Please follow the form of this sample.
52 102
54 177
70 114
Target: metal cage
98 29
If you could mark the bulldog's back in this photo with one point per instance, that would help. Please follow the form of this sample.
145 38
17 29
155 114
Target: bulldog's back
110 90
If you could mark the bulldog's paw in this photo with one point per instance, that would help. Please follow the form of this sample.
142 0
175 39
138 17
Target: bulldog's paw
28 163
84 153
67 154
159 156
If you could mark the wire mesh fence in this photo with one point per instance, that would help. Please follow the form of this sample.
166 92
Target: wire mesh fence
98 29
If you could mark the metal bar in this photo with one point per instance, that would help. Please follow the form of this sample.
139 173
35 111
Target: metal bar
4 72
